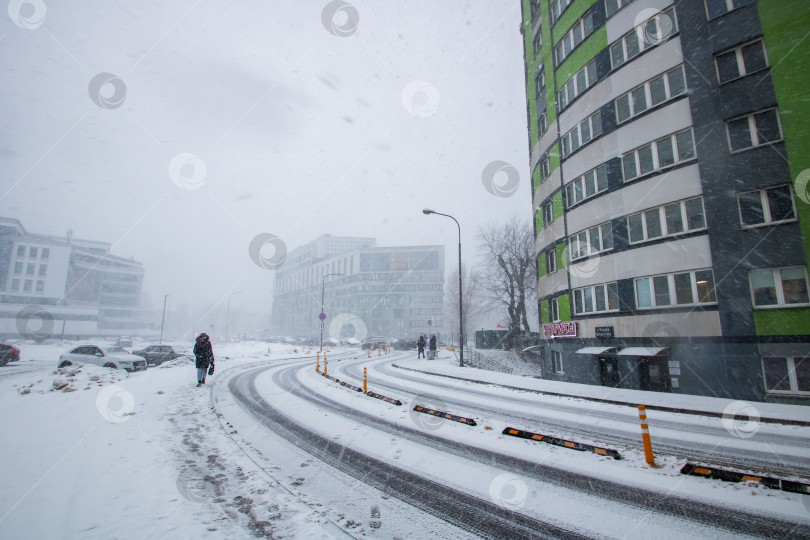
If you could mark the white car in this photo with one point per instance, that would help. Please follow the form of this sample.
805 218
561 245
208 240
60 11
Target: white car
111 357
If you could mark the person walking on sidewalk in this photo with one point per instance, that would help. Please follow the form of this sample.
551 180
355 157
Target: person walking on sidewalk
421 347
204 355
433 347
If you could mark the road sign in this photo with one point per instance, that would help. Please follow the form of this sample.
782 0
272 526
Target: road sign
322 316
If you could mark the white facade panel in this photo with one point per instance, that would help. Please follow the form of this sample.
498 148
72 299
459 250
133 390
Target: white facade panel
553 283
674 256
664 121
547 187
638 71
633 15
549 234
639 195
693 323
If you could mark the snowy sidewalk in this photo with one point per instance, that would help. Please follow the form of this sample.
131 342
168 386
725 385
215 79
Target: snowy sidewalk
447 366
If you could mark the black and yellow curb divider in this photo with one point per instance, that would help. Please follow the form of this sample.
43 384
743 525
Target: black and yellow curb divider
448 416
733 476
384 398
561 442
358 389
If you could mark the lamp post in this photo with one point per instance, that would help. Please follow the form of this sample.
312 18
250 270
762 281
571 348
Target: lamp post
322 315
162 319
427 211
228 314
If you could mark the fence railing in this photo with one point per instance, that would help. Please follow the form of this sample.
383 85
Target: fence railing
476 359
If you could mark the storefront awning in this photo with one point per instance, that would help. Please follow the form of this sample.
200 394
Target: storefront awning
643 351
596 350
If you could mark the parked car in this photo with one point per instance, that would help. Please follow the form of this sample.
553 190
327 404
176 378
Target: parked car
404 344
374 343
110 357
157 354
8 353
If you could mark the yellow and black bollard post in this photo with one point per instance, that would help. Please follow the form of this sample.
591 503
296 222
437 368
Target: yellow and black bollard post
645 436
365 381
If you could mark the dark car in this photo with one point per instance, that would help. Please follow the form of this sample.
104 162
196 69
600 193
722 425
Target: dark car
8 353
374 343
404 344
157 354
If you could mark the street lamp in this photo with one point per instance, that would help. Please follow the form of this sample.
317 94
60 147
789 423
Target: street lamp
427 211
162 319
228 314
322 315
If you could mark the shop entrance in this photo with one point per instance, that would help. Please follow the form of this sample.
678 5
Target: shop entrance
609 371
653 374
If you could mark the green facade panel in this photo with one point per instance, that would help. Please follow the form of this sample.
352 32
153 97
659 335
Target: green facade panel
544 317
581 56
565 307
571 15
782 322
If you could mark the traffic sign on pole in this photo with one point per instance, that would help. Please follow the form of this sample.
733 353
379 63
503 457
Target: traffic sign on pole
322 316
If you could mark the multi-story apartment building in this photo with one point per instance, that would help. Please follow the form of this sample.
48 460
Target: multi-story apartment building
78 286
670 162
393 292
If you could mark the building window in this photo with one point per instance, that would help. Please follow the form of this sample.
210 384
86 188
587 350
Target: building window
650 94
548 213
15 284
556 361
679 289
777 287
767 206
33 252
20 251
18 267
590 241
40 286
582 134
671 150
29 269
786 374
540 81
545 168
27 286
754 130
668 220
43 269
645 36
715 8
554 310
551 261
557 9
581 81
596 298
612 6
46 252
571 40
745 60
586 186
538 42
542 124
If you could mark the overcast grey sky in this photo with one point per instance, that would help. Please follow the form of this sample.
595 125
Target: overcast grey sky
220 121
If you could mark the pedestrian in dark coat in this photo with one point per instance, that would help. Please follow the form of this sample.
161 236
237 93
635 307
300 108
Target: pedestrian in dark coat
204 355
421 346
433 347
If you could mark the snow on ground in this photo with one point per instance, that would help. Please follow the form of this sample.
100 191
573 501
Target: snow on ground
101 453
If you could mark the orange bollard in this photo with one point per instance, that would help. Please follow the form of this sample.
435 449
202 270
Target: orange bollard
324 366
645 436
318 362
369 353
365 381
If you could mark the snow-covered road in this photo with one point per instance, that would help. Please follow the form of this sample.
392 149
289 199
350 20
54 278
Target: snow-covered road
95 453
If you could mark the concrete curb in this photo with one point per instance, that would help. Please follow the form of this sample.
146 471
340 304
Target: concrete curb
610 401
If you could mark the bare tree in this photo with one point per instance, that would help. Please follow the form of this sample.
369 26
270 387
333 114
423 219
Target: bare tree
508 278
472 306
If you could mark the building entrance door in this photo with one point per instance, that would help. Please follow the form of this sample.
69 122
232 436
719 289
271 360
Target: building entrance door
653 374
609 370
